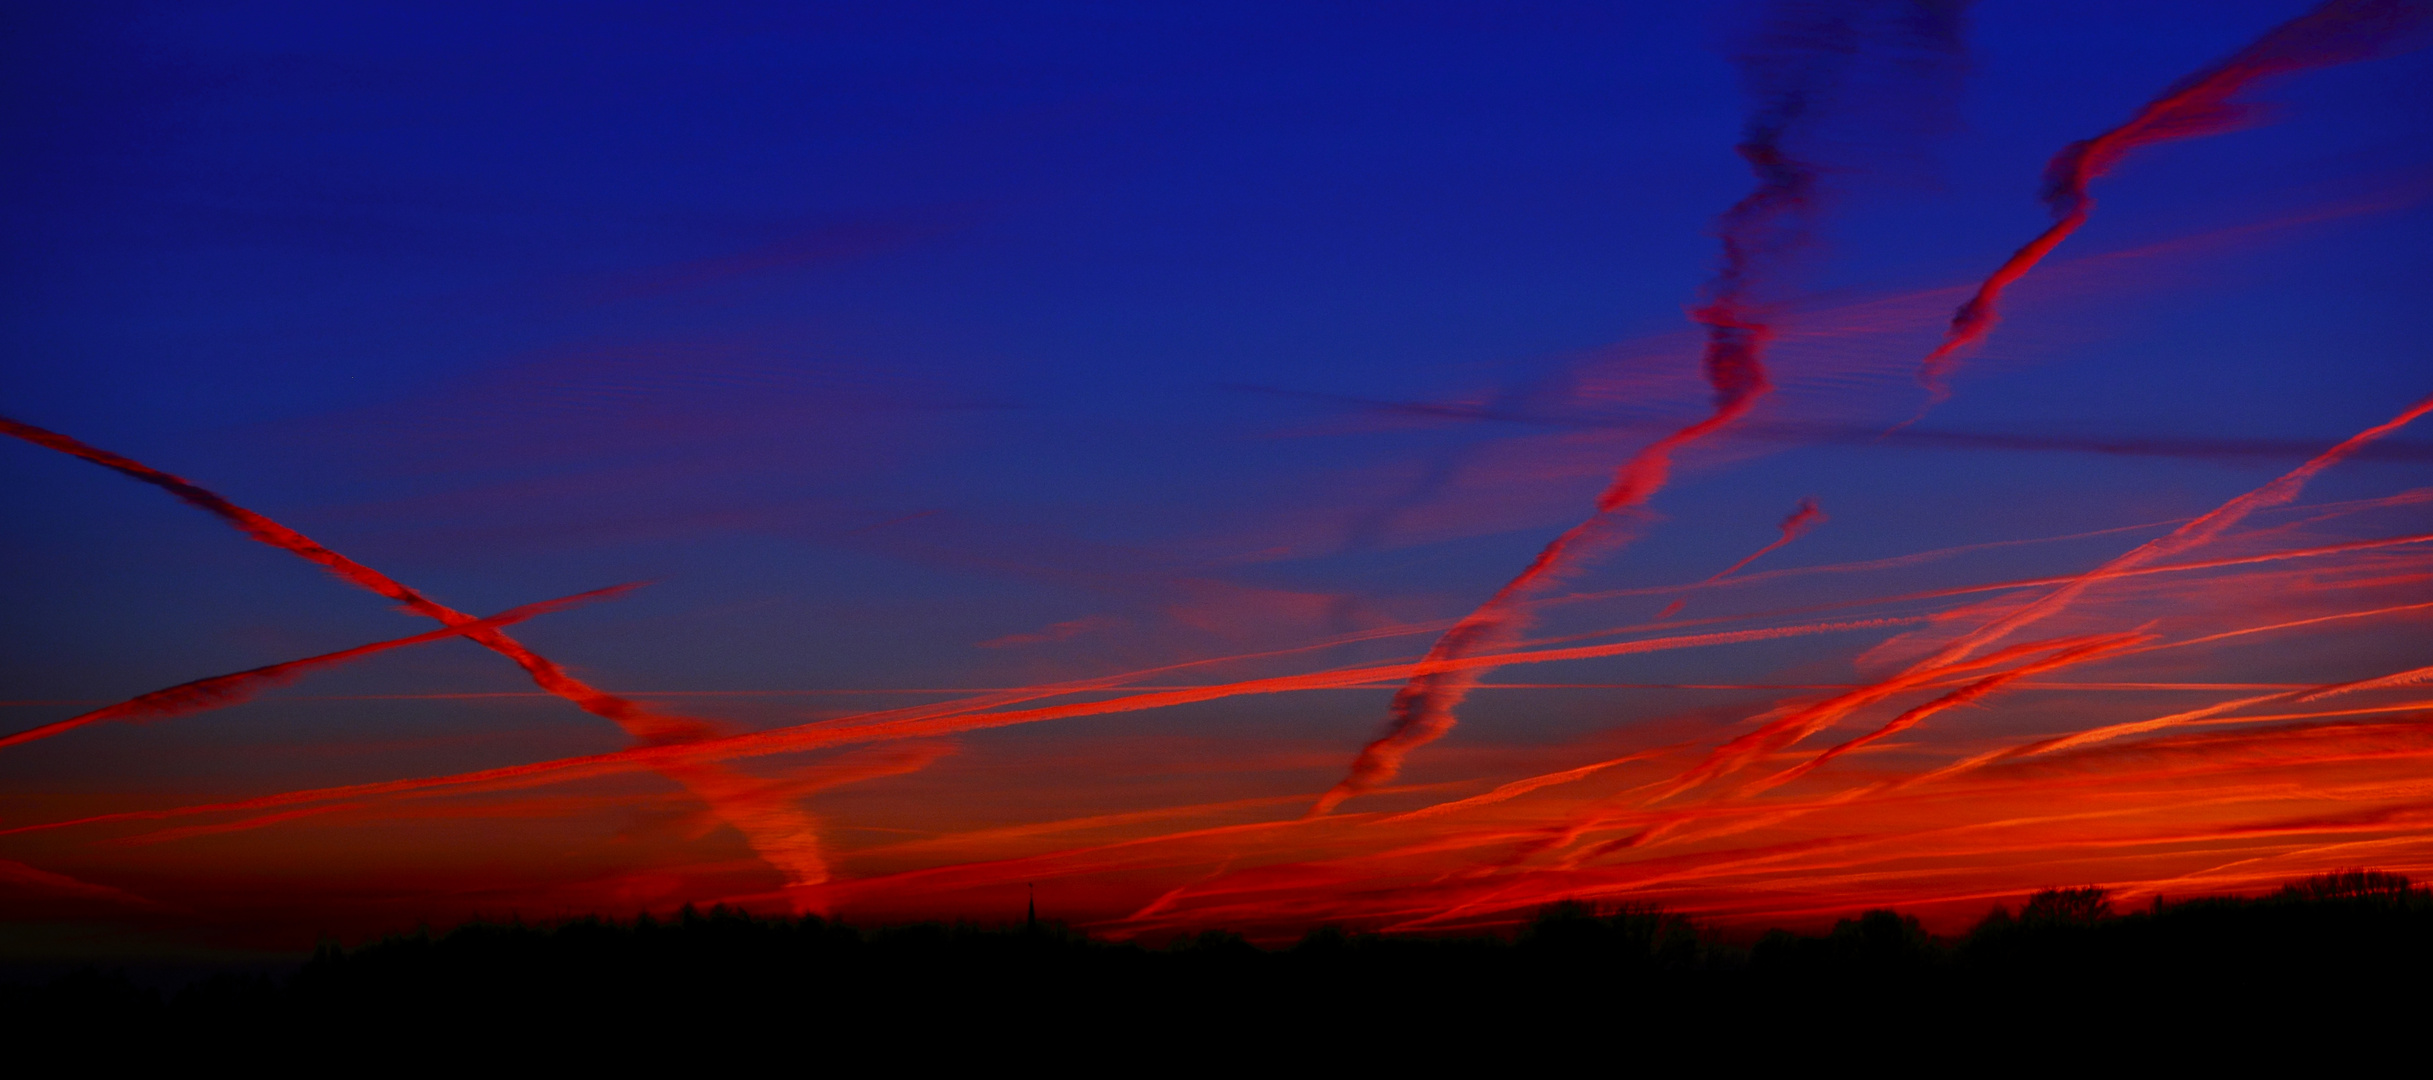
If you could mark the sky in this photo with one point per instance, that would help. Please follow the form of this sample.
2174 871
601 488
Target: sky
1239 465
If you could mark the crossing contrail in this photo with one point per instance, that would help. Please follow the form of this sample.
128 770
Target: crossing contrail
781 833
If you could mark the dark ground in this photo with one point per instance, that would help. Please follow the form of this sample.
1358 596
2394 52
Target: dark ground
2331 966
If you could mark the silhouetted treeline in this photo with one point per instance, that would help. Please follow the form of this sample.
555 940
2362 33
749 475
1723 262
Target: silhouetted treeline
2065 969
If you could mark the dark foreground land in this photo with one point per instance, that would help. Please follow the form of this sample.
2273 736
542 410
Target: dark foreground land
2333 965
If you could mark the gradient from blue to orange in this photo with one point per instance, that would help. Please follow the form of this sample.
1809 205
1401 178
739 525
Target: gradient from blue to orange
914 354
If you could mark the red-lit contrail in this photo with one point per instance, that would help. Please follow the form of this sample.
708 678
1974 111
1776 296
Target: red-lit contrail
2099 648
972 714
223 690
640 722
1523 786
781 833
851 769
23 879
1803 517
2410 677
2335 32
1168 898
1667 826
2109 732
1774 812
1337 889
1807 720
1798 724
1809 433
1437 896
1792 727
1790 79
2201 530
1973 691
1784 731
2378 743
824 734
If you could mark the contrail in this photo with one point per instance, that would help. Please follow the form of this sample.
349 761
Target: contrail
2109 732
1803 517
780 833
1738 753
1789 728
1430 900
1962 696
642 723
1910 848
2410 677
852 769
2335 32
1791 78
1858 436
1767 814
948 718
1523 786
2073 741
1807 720
2091 736
2412 730
824 734
1171 896
223 690
22 878
2197 532
2093 649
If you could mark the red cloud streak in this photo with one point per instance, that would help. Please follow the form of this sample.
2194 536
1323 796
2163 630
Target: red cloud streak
2335 32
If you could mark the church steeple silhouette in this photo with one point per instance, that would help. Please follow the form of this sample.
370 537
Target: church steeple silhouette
1030 919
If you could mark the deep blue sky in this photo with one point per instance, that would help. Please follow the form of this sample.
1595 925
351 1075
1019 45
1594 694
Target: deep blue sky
1014 263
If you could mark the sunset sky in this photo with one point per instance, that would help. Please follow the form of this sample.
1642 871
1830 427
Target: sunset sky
1049 442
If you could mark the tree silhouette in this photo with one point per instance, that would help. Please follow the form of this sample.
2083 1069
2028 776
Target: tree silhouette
1641 975
2352 884
2084 906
